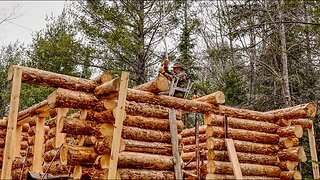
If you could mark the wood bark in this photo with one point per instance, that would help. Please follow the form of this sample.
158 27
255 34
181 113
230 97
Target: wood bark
299 111
53 154
245 135
3 122
103 146
242 157
64 98
76 126
288 142
293 154
89 140
237 123
290 131
192 140
24 145
283 122
2 143
195 106
18 162
33 110
305 123
49 144
52 133
145 161
213 98
108 87
157 85
50 79
148 147
139 134
3 133
104 77
57 168
243 146
191 131
95 174
32 131
290 175
232 177
288 165
146 174
25 127
52 122
25 136
17 172
77 155
192 148
246 169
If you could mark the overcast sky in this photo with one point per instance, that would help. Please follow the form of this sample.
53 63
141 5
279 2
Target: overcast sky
30 18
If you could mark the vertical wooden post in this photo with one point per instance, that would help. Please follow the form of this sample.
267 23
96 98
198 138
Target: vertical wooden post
8 153
175 144
119 118
38 145
234 159
60 136
314 156
18 141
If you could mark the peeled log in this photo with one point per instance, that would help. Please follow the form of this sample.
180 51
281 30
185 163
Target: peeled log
305 123
191 131
242 157
157 85
57 168
293 154
287 142
213 98
50 79
299 111
243 146
192 139
103 146
139 134
33 110
53 154
146 174
290 131
77 155
108 87
192 148
148 147
232 177
64 98
194 106
145 161
288 165
237 123
245 135
76 126
290 175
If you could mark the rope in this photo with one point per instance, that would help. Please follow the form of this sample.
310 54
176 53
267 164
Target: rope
51 162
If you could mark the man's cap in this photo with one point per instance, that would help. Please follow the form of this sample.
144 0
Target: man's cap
177 65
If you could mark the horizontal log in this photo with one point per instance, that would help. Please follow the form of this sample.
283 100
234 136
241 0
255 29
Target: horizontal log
191 131
52 155
108 87
240 134
195 106
3 133
293 154
139 134
77 155
283 122
299 111
76 126
304 123
213 98
102 78
290 131
288 165
232 177
19 173
288 142
128 173
33 110
91 173
145 161
88 141
18 162
148 147
157 85
103 146
192 139
50 79
2 143
102 162
57 168
243 146
237 123
290 175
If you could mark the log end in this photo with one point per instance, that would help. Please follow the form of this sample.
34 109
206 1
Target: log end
298 131
52 99
105 161
109 104
220 97
312 109
162 83
77 172
297 175
302 155
64 155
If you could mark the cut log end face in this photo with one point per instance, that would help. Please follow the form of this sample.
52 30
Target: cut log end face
220 97
77 172
298 131
312 109
162 83
63 155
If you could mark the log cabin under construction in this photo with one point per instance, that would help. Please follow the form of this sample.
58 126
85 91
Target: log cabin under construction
101 129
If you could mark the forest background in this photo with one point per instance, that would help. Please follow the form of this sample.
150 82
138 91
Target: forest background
263 54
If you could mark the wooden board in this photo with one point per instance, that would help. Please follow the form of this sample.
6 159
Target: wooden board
314 157
38 145
234 159
175 144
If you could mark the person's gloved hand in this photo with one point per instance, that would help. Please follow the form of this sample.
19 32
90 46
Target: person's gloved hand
161 70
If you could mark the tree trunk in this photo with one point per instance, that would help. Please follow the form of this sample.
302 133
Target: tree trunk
145 161
77 155
244 135
148 147
290 175
290 131
288 165
108 88
305 123
213 98
236 123
157 85
299 111
103 146
50 79
243 146
293 154
139 134
146 174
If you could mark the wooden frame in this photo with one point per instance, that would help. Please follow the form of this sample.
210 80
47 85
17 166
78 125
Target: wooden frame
38 145
234 159
314 156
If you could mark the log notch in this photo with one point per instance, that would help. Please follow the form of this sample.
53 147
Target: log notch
293 154
290 131
304 123
64 98
148 147
245 135
126 173
145 161
213 98
157 85
76 155
50 79
299 111
107 88
237 123
104 77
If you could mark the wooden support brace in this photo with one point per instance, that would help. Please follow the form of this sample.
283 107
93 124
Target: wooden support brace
234 159
38 145
18 141
119 118
60 136
175 144
8 153
313 150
